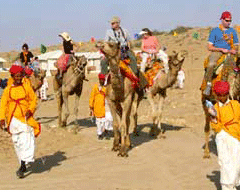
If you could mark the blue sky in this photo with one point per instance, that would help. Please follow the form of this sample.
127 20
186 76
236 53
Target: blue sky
40 21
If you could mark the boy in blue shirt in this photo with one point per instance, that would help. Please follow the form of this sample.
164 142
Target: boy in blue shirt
222 40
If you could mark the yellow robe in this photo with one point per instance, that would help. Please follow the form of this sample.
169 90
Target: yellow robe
228 118
97 101
16 101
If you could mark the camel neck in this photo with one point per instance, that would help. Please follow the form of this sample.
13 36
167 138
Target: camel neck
172 76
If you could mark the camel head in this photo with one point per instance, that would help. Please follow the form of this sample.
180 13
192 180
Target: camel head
37 79
176 60
109 49
79 66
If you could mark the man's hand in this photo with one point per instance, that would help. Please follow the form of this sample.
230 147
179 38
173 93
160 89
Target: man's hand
2 124
224 50
214 119
233 51
91 112
28 114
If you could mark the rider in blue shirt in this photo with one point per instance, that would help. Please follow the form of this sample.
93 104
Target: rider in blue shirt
219 43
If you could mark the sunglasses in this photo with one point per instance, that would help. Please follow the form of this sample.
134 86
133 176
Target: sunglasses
228 20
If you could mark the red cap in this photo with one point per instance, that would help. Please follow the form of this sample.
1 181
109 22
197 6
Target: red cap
225 15
28 71
221 88
16 69
101 76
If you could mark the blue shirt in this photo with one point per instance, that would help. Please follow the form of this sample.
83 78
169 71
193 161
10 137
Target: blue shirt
217 39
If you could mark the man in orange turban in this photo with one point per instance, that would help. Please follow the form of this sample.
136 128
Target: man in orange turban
227 126
18 104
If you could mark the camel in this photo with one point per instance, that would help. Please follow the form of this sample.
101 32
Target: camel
158 92
226 73
37 79
123 98
119 94
71 83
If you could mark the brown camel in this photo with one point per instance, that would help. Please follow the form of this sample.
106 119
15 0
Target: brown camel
123 98
71 83
226 73
157 93
120 94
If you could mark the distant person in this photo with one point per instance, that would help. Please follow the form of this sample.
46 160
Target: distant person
3 84
151 47
222 40
65 59
97 105
18 104
181 78
26 56
35 65
43 90
225 121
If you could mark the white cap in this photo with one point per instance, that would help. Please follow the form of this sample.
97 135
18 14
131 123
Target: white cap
142 32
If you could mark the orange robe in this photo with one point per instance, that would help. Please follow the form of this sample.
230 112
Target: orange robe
97 101
16 101
228 118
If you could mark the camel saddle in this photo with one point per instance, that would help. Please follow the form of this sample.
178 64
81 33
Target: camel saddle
155 72
217 74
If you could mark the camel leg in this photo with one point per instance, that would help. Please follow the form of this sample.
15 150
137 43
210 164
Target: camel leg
125 139
66 109
77 99
60 103
153 130
128 141
134 115
207 133
116 112
159 113
58 91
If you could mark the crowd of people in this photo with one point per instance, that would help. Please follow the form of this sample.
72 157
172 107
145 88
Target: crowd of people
18 101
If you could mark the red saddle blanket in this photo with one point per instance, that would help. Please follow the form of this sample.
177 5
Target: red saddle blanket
63 61
127 72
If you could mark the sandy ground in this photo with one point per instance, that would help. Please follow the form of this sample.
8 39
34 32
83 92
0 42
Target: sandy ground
65 160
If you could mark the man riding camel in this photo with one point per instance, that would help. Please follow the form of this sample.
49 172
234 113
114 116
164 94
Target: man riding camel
120 35
222 40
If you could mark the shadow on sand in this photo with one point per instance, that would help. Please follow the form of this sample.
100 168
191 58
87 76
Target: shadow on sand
46 163
45 120
215 178
144 137
85 122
